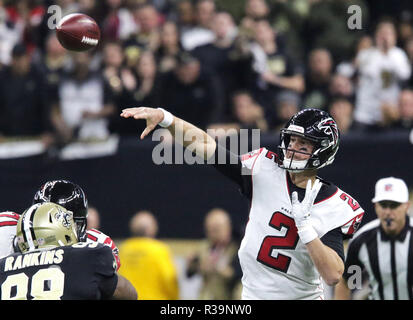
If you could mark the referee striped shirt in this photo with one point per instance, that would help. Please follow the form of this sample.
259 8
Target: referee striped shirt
388 261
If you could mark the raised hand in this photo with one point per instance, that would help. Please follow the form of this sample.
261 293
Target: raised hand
301 211
152 116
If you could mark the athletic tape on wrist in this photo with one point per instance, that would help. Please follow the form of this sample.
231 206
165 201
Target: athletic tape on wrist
168 118
307 234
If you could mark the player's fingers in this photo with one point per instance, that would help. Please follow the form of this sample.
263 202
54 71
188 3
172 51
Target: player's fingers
316 188
147 130
132 112
307 190
294 197
129 110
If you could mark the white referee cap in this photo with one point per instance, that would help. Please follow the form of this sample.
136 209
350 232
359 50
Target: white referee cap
391 189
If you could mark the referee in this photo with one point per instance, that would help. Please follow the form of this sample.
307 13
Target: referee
383 248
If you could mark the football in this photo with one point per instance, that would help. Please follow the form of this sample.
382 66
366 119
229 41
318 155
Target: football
78 32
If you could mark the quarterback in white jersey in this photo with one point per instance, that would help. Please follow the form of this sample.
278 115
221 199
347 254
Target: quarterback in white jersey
285 269
297 221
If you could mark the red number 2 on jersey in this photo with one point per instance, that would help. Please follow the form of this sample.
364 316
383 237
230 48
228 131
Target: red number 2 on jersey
350 201
288 241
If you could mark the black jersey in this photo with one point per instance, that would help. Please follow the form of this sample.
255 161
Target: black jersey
85 271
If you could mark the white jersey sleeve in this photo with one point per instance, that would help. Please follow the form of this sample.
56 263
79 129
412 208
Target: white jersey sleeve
8 223
249 160
339 211
93 235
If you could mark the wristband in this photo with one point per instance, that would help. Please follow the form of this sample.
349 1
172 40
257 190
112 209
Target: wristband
307 234
168 118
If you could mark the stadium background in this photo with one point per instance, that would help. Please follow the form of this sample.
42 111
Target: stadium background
118 173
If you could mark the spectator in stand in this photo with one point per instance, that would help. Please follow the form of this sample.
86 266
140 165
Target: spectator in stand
289 18
185 12
147 262
248 113
215 259
381 70
147 35
274 70
27 15
326 27
11 34
192 92
170 47
141 86
118 23
112 63
405 112
405 27
341 110
254 10
347 67
222 58
52 65
92 8
285 106
318 78
118 77
341 87
409 50
84 102
201 32
23 108
214 55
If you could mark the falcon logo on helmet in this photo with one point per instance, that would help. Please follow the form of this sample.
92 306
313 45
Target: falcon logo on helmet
320 129
329 127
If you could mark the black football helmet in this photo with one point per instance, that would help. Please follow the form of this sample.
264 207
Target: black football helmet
316 126
70 196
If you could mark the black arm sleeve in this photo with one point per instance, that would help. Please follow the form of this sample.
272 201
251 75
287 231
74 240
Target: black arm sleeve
105 272
229 164
334 240
352 258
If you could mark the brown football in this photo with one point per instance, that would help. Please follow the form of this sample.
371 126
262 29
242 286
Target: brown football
78 32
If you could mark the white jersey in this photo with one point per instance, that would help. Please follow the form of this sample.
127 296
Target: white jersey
8 229
276 264
8 223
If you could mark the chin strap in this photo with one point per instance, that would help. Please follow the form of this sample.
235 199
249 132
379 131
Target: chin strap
294 165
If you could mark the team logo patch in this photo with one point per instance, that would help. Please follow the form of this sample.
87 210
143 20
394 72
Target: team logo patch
329 127
388 187
64 218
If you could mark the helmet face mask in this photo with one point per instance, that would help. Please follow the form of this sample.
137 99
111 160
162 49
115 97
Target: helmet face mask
316 127
70 196
45 225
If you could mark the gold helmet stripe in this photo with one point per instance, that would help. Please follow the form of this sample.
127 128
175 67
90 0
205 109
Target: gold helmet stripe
28 232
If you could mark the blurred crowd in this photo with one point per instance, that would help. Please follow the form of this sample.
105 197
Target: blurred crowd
227 64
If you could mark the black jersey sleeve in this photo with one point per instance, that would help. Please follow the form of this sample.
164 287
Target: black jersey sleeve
106 272
334 240
229 164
